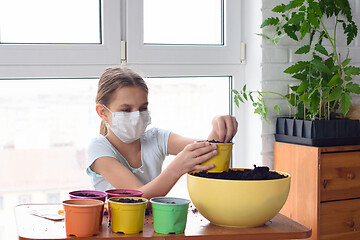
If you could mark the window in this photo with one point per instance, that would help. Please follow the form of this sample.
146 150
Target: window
46 132
159 36
96 39
42 21
203 23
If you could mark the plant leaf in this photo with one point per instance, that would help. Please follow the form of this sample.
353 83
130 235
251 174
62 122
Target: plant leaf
294 88
346 62
275 39
334 81
251 98
345 103
313 20
263 35
300 76
296 18
303 49
297 67
320 66
350 70
305 99
245 96
296 3
315 6
305 28
271 21
279 8
353 87
335 94
235 91
290 31
236 100
351 31
321 49
347 78
302 87
277 109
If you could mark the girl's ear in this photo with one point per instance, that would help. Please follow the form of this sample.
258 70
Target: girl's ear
102 112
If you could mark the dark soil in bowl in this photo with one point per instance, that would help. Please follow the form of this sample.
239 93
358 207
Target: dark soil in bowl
85 195
128 200
258 173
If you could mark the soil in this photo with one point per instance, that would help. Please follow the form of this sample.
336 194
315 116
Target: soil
258 173
85 195
214 141
128 200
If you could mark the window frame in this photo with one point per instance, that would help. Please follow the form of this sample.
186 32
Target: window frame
66 60
140 53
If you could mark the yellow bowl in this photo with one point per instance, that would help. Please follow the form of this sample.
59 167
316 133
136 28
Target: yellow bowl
222 159
238 203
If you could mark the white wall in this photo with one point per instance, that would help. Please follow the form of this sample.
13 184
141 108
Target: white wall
275 59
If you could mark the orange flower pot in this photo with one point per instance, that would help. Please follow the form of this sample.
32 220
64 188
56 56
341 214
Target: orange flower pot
82 216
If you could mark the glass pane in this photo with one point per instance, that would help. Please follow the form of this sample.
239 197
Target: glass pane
55 21
45 127
183 22
186 106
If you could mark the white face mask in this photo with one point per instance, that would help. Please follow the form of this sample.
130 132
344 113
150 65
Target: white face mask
129 126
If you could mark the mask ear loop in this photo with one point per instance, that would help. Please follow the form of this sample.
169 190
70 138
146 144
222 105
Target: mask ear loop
107 108
107 123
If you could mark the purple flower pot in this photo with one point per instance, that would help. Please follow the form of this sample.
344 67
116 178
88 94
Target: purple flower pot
88 194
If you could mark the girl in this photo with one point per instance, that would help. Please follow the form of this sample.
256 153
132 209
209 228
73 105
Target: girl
128 157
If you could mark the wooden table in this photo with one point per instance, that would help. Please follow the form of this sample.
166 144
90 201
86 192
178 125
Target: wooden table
33 227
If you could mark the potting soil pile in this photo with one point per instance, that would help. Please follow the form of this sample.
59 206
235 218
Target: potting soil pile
258 173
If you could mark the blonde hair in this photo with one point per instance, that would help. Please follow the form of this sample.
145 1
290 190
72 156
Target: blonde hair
112 79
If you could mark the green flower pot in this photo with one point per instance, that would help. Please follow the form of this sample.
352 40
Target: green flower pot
169 214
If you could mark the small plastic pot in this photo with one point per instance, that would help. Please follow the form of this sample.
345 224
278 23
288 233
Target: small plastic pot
127 218
169 214
90 194
121 193
82 216
124 193
222 159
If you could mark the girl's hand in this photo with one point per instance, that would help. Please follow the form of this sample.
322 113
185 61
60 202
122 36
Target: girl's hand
193 155
224 128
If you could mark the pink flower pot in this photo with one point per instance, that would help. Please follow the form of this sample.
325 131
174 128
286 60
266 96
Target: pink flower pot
123 193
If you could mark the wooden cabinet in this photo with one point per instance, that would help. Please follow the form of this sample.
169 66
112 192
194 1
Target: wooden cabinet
325 188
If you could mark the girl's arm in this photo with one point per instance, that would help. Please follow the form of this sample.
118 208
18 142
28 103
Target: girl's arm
187 160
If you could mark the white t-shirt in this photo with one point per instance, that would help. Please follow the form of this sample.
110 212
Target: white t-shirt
153 152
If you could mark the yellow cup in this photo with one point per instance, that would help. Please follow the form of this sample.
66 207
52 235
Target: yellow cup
222 159
127 218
